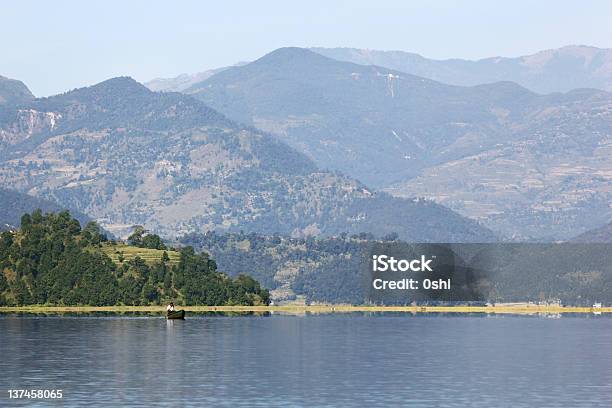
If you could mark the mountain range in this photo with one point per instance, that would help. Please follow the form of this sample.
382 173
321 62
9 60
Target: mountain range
556 70
336 130
530 166
125 155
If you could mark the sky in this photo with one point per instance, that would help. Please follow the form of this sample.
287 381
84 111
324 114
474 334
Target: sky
55 46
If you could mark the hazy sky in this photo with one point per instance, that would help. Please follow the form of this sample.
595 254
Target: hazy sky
54 46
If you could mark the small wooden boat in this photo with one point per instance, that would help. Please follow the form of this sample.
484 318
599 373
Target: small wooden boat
177 314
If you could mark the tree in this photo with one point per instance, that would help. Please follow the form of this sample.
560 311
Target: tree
136 237
26 221
152 241
93 233
167 281
142 239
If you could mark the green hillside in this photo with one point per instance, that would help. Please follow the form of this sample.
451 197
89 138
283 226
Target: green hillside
121 253
51 260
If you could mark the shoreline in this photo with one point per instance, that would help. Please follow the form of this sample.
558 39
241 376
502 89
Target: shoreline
299 309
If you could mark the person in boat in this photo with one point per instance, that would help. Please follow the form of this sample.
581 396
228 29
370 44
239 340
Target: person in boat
170 308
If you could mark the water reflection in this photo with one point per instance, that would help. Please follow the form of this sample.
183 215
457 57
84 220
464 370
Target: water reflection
315 360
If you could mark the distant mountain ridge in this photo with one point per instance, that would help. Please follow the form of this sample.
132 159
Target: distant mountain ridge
183 82
554 70
125 155
14 204
180 82
520 162
601 234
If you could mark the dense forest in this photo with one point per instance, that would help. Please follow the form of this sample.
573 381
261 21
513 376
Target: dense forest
330 270
52 260
294 269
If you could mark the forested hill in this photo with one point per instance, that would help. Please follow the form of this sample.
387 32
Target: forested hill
52 260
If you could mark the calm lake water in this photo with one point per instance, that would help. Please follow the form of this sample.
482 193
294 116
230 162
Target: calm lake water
325 360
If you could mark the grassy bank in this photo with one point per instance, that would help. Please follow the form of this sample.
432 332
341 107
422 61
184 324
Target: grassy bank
298 309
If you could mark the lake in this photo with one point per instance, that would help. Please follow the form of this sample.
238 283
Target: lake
312 360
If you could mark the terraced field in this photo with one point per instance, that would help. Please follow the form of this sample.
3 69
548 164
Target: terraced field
150 256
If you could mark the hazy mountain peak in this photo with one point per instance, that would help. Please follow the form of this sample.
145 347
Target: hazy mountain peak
117 103
287 61
584 55
290 52
13 91
125 85
106 92
576 50
121 81
180 82
292 60
183 82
